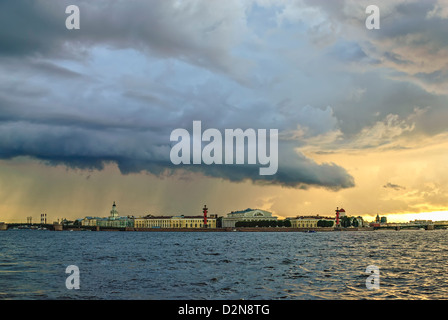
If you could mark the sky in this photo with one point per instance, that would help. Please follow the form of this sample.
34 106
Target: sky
86 114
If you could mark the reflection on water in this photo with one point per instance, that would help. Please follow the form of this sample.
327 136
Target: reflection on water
238 265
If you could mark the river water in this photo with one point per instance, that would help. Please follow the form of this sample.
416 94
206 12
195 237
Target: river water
223 265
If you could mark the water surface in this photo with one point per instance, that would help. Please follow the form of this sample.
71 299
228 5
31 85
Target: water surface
223 265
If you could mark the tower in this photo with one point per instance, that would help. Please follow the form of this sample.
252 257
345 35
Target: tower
337 217
204 210
113 212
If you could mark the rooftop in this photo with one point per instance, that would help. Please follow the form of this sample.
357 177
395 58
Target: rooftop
176 217
314 217
243 211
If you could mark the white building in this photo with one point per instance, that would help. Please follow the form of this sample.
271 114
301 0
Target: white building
246 215
114 220
361 222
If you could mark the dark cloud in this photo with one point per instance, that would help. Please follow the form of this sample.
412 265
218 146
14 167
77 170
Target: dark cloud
393 186
294 171
136 70
36 27
200 33
78 147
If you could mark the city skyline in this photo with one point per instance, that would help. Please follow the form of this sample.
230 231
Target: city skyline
43 216
86 114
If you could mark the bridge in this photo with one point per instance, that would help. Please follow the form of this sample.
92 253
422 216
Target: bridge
32 226
422 225
58 227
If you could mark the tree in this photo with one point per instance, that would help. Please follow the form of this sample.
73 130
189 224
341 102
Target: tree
263 223
219 222
345 222
325 223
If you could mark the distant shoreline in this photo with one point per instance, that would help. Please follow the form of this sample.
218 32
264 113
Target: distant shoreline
250 229
239 229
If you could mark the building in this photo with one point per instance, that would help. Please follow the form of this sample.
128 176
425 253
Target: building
340 213
181 221
151 221
309 221
193 221
89 221
380 220
361 222
246 215
113 221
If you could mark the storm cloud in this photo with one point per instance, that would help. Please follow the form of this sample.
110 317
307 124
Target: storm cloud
136 70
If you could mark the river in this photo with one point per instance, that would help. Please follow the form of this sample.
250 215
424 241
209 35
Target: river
412 264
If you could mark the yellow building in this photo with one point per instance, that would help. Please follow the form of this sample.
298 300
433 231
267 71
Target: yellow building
304 222
89 221
192 222
152 222
174 222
